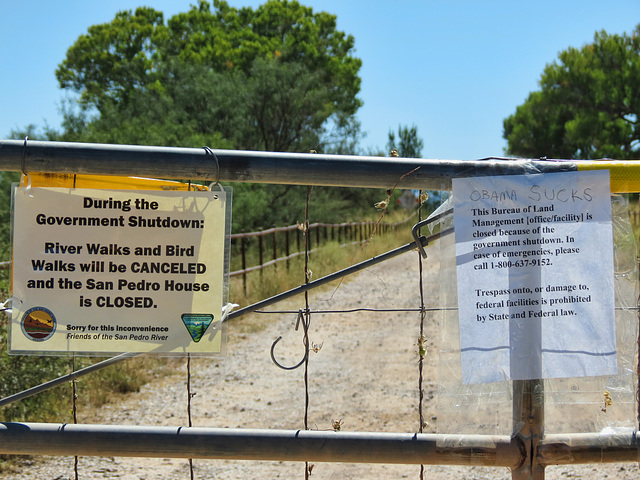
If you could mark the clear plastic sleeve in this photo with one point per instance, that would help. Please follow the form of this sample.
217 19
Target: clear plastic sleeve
571 405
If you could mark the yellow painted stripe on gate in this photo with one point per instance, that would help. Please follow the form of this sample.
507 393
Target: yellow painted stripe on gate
624 174
63 180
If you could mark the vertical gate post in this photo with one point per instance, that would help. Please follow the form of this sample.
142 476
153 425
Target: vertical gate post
528 425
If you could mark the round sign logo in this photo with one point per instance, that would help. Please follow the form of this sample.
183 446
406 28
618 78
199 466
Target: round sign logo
38 324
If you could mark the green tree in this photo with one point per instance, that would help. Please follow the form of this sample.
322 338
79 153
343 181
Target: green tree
408 144
587 106
278 78
270 79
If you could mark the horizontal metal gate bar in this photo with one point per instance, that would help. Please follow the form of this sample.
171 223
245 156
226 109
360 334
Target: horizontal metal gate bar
617 446
254 444
257 167
311 445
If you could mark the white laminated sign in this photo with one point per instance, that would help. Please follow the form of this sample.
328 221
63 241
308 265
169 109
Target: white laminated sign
106 271
534 256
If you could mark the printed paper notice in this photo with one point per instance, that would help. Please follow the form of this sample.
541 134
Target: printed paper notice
117 271
534 256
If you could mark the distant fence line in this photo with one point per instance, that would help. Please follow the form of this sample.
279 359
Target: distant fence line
281 244
285 243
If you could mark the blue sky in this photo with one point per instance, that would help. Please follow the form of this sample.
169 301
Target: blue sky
455 69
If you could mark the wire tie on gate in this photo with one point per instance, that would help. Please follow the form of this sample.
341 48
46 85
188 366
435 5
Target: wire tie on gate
24 170
7 305
298 319
226 310
24 154
208 151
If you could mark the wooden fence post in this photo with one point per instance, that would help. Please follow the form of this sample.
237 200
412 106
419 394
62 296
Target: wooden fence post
275 246
243 250
260 252
286 247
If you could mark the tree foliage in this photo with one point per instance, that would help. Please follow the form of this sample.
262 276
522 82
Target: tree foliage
270 79
278 78
587 106
408 144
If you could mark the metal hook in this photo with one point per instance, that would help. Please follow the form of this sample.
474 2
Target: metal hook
299 364
25 174
306 345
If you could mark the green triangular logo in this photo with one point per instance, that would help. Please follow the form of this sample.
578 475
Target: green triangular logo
197 324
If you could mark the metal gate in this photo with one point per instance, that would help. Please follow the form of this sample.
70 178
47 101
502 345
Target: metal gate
527 451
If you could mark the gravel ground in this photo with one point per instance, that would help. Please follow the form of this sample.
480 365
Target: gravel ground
364 376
